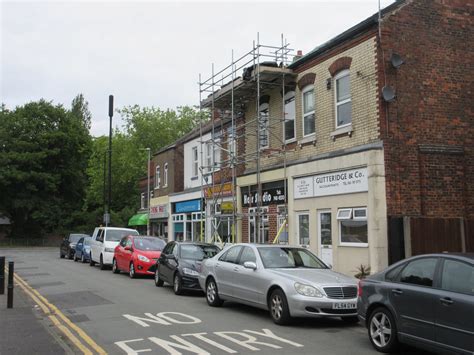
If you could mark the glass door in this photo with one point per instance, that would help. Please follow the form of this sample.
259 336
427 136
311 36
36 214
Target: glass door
325 236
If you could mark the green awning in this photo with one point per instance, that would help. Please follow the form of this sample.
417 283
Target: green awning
140 219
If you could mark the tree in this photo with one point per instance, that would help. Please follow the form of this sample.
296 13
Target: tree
43 156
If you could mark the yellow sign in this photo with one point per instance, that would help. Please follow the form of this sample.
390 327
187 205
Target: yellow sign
227 207
219 190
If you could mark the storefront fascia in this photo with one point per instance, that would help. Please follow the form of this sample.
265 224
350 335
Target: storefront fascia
341 201
186 219
159 215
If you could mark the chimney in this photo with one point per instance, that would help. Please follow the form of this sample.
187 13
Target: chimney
299 54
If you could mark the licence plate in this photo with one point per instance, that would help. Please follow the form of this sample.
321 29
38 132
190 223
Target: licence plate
344 305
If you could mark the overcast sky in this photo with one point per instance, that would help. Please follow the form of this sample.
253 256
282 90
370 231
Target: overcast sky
148 53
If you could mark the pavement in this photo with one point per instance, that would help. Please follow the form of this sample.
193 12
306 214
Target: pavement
25 330
107 313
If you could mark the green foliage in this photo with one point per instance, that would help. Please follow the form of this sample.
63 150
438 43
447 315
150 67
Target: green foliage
44 153
362 271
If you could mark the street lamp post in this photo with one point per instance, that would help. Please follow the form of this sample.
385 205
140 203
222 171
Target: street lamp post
148 190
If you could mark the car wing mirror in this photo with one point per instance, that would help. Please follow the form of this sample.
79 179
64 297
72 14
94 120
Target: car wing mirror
250 265
127 247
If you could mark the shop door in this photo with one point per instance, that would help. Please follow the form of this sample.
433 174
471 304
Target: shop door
254 236
325 236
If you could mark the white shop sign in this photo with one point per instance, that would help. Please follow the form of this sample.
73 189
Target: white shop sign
341 182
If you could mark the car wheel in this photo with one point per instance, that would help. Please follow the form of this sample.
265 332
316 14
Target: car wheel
75 257
278 306
212 294
115 268
158 282
101 263
61 255
383 330
177 286
83 259
351 319
91 262
131 272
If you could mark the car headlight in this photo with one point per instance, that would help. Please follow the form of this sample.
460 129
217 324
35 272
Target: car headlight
307 290
109 250
190 272
143 258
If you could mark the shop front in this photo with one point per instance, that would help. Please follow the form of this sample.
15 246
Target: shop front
264 216
338 210
159 220
187 220
220 208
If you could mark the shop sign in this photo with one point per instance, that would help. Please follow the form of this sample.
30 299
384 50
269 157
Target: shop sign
272 193
337 183
227 207
159 211
218 190
187 206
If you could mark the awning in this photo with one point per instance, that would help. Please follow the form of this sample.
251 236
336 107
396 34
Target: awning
140 219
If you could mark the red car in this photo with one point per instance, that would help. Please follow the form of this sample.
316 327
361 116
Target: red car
136 254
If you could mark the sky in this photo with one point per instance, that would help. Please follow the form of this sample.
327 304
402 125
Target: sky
148 53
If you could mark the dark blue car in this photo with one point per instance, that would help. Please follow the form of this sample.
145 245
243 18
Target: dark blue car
83 250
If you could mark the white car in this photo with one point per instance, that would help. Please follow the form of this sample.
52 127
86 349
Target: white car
104 241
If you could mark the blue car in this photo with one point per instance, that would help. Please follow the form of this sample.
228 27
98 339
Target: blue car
83 250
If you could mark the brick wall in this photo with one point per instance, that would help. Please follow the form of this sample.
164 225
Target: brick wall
428 130
361 54
174 158
272 223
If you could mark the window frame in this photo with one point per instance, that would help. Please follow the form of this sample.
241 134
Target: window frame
303 213
303 114
288 96
157 177
351 217
338 76
195 162
142 201
262 107
165 175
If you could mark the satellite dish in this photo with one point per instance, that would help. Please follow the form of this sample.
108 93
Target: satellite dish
396 60
388 93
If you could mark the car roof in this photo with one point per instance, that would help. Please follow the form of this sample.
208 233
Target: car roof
193 243
119 228
267 245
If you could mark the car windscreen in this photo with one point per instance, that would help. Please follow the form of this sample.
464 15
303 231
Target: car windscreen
149 244
74 238
115 235
282 257
198 252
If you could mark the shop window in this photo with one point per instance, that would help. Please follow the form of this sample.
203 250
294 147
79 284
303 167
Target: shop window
260 235
343 99
281 219
308 111
303 228
353 226
290 114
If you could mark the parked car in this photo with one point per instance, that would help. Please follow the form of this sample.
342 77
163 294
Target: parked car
103 243
425 301
288 281
68 245
180 264
136 254
83 249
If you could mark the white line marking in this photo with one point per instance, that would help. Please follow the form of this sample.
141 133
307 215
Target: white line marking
183 344
122 345
248 339
201 336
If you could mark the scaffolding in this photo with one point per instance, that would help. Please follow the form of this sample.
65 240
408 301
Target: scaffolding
227 93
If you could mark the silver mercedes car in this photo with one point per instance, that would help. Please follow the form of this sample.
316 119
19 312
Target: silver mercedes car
288 281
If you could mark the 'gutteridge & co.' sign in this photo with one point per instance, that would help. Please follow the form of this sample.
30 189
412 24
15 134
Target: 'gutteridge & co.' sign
341 182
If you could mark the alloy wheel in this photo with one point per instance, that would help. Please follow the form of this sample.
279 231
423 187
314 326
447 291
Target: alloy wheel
211 291
380 329
276 306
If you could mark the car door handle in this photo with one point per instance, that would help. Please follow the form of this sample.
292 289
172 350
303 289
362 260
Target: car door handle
236 268
446 300
397 291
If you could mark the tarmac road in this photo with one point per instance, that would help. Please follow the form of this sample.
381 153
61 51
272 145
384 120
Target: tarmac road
123 315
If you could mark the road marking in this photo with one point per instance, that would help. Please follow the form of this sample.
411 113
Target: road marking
52 309
162 318
201 337
240 338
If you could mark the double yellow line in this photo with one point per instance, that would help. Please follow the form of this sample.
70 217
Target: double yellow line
81 340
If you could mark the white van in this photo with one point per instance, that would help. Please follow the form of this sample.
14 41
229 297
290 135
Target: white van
104 241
